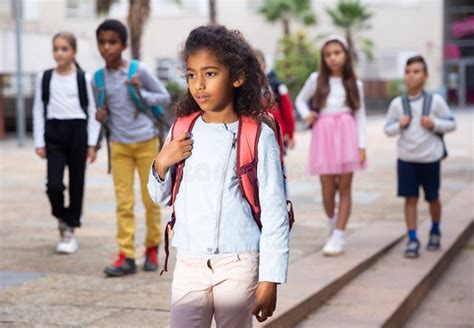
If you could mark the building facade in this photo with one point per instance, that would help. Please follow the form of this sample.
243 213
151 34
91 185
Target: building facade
398 30
459 51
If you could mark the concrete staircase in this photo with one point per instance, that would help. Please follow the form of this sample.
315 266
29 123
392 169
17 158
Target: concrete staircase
372 284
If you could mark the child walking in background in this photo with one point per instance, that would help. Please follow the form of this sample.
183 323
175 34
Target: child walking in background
226 267
332 102
283 109
420 119
65 134
134 143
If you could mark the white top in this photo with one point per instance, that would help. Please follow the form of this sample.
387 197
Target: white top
416 143
335 103
63 104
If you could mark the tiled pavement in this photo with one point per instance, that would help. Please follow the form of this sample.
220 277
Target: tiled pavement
41 289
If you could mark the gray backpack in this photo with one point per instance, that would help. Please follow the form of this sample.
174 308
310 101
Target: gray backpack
427 104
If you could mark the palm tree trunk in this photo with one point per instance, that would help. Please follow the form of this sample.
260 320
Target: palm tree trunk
350 43
102 7
138 13
286 26
212 12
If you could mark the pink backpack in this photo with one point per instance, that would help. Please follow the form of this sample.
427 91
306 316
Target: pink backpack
247 159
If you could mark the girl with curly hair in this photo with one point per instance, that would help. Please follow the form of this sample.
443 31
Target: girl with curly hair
226 267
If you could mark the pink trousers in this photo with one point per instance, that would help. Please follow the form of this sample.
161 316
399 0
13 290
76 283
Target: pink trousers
223 288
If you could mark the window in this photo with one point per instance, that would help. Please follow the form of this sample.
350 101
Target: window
80 8
168 70
254 5
6 10
119 8
392 3
385 65
31 10
167 8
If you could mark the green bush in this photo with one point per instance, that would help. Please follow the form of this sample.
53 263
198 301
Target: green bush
395 88
298 59
174 89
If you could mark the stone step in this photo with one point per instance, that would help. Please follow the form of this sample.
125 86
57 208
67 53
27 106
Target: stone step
388 292
449 303
315 278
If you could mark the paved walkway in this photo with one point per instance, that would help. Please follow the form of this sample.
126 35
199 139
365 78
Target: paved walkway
39 288
451 301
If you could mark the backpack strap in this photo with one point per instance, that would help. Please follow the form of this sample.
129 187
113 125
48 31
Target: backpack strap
82 90
427 102
156 111
45 82
270 120
247 159
100 85
181 124
406 106
133 68
132 91
81 86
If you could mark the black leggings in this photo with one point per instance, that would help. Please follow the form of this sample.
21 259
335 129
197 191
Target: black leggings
66 144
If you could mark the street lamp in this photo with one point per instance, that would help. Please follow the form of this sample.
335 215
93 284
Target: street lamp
20 104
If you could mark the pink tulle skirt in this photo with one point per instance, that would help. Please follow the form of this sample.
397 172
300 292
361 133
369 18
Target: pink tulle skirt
334 145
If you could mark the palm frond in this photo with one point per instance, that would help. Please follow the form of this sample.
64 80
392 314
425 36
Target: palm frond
280 10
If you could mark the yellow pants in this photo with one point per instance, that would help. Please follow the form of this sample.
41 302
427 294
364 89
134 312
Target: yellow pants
125 158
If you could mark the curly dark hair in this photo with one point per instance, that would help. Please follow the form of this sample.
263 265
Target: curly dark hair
115 26
253 97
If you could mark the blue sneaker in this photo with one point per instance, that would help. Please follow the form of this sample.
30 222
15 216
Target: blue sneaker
413 249
434 243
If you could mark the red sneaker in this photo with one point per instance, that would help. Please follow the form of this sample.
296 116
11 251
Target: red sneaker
122 266
151 259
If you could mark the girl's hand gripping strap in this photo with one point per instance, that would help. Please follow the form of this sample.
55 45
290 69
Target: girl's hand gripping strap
182 124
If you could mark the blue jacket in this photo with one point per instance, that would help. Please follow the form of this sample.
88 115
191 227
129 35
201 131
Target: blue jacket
212 217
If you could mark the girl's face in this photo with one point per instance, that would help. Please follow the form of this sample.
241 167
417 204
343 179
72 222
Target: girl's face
209 83
63 52
334 57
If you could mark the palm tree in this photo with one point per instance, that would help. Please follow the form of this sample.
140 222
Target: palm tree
285 10
138 13
212 12
352 16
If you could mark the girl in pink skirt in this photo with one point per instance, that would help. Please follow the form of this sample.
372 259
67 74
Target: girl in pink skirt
332 103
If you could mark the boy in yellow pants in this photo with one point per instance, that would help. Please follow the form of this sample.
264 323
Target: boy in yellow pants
134 143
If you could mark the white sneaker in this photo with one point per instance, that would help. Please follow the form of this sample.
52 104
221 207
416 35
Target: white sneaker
68 243
334 246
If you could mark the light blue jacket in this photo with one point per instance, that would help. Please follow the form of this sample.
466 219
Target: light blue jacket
212 217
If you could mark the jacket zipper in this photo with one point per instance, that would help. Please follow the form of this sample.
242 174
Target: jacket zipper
219 212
